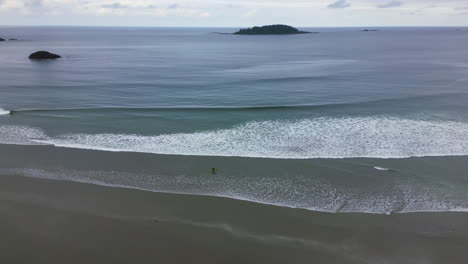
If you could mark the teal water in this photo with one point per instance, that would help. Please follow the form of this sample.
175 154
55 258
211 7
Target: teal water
343 93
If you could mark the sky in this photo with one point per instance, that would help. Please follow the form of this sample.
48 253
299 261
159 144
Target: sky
235 13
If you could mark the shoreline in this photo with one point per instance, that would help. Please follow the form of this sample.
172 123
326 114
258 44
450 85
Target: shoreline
354 185
58 219
124 187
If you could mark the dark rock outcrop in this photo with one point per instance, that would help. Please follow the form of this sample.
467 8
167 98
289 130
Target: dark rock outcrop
43 55
270 30
2 39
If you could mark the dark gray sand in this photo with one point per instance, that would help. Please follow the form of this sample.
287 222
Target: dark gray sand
47 221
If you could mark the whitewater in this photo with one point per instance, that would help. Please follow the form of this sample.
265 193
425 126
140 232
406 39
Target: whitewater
353 137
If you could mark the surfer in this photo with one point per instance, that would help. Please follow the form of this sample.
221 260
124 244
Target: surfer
213 171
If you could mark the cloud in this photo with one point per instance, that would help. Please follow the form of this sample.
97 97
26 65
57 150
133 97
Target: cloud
114 6
173 6
339 4
207 13
420 10
35 4
391 4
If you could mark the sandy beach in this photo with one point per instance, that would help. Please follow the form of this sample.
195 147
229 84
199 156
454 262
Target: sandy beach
48 221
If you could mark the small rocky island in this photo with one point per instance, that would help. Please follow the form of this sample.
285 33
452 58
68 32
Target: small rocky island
12 39
270 30
43 55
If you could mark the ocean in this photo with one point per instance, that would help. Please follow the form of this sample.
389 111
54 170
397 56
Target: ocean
340 121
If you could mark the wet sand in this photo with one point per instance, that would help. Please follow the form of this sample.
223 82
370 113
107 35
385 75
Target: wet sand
48 221
327 185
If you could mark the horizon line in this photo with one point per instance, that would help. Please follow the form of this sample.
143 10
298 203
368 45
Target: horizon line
150 26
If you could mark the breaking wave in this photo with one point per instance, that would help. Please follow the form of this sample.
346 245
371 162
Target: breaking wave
4 112
349 137
20 135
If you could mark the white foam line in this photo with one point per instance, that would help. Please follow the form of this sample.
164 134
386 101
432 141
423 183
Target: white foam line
335 138
43 175
4 112
381 169
353 137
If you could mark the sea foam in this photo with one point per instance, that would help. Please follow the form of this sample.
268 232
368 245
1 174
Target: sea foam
381 168
350 137
20 135
315 193
4 112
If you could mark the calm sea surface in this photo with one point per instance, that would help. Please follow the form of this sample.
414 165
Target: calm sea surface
343 120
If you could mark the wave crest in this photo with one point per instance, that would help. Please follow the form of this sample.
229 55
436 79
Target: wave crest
4 112
218 108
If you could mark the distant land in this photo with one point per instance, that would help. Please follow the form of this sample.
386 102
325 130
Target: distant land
270 30
44 55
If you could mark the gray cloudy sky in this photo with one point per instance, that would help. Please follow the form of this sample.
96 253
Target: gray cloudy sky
236 13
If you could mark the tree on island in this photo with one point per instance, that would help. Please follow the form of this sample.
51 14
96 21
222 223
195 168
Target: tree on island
270 30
